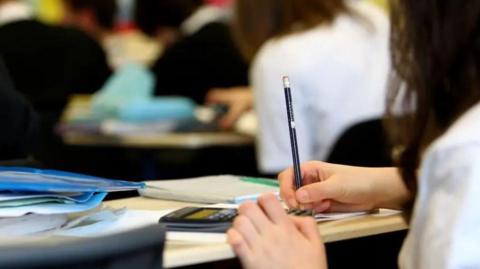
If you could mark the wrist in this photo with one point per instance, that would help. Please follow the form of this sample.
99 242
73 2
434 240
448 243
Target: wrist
389 188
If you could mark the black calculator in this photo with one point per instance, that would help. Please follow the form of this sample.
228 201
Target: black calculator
200 219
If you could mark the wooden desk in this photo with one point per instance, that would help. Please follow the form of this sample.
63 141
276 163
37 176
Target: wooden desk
160 141
184 253
79 106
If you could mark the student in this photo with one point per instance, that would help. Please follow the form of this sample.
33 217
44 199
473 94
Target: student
47 64
336 54
95 17
18 120
200 53
436 76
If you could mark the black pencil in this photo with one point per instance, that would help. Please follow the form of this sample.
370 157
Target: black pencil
293 133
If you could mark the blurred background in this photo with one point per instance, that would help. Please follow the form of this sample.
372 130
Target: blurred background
141 90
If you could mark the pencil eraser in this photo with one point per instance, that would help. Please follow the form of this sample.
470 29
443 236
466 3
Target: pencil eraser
286 82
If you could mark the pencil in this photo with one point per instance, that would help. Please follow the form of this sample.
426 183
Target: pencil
293 133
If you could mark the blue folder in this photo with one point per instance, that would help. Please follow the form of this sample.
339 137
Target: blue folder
21 179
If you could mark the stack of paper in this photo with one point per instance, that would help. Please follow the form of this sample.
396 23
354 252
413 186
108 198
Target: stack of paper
45 197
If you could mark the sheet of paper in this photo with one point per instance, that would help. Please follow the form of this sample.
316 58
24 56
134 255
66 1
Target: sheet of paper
92 226
338 216
31 224
129 220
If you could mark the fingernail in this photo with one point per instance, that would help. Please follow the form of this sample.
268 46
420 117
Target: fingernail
292 203
303 196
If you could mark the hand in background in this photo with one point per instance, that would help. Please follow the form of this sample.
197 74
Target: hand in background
264 236
331 187
238 100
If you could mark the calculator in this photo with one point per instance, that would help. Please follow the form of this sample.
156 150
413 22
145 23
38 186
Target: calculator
200 219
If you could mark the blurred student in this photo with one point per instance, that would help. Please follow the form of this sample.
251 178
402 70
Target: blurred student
437 76
18 120
95 17
47 64
200 53
336 54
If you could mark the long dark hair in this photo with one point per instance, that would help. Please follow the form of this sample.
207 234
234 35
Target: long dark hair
256 21
436 62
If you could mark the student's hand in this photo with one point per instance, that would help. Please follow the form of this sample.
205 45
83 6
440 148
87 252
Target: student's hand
264 236
238 100
330 187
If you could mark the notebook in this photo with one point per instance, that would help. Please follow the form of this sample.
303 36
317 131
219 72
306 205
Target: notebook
20 179
210 189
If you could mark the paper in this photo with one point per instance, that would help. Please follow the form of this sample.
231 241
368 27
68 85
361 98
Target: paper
31 224
96 225
54 208
212 189
338 216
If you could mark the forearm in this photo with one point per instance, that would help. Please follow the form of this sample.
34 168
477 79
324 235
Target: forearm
390 189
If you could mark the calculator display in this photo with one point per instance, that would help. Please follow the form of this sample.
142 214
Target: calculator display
202 214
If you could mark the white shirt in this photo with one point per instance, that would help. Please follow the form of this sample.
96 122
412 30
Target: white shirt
202 16
338 74
445 227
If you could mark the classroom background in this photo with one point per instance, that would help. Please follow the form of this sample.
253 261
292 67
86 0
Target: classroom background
146 90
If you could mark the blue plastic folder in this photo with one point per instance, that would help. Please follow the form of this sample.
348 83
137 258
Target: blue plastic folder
20 179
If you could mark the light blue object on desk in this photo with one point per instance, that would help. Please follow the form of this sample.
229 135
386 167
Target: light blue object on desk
157 109
130 83
128 96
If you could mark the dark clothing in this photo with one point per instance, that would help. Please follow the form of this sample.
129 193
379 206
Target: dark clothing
48 63
364 144
199 62
18 121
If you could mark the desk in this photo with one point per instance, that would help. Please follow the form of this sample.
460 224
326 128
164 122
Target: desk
80 105
184 253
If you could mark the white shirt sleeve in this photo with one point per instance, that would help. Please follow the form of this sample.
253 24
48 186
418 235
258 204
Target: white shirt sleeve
273 140
445 229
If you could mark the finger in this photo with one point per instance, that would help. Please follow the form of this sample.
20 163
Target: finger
308 227
231 117
328 189
238 243
287 190
246 229
272 208
322 206
255 214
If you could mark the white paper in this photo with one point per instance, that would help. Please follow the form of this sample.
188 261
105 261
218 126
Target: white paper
338 216
129 220
31 224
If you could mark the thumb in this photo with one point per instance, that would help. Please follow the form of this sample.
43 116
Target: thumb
319 191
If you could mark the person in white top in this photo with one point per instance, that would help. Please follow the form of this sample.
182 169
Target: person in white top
336 55
437 78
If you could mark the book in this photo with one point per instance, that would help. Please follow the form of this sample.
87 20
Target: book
210 189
